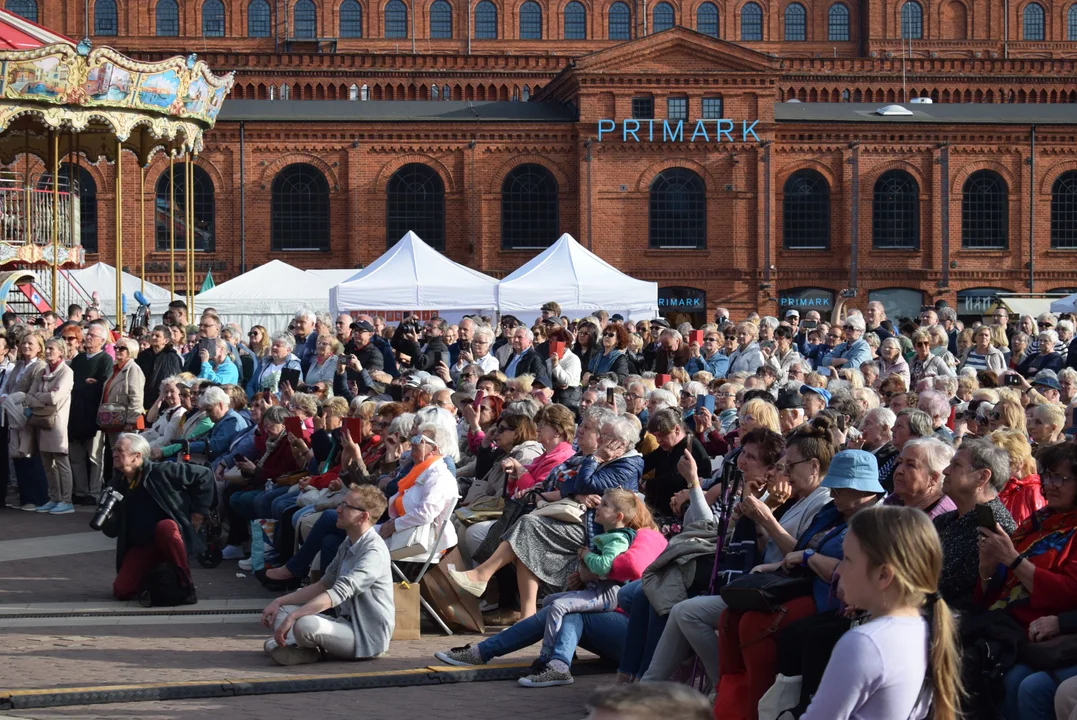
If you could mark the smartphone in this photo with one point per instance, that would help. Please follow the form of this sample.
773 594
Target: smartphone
209 345
609 396
240 458
809 324
661 380
479 397
557 349
440 357
985 518
705 401
465 346
696 336
294 426
1012 380
291 376
824 371
354 426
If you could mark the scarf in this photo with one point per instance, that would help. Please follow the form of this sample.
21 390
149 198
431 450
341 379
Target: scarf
602 362
409 480
1048 534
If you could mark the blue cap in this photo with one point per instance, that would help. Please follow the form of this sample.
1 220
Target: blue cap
822 392
1046 381
855 470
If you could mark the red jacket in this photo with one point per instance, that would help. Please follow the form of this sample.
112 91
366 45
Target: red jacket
1022 497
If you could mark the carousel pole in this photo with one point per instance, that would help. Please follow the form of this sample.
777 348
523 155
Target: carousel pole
190 230
172 224
142 220
72 175
26 186
119 235
55 218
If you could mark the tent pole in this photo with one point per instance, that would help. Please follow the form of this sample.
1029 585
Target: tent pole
119 235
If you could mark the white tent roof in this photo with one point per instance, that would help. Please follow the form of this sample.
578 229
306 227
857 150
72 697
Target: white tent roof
579 281
1066 304
101 278
411 275
333 276
268 295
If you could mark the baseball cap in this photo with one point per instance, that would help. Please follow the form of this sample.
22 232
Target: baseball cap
822 392
362 325
792 313
788 400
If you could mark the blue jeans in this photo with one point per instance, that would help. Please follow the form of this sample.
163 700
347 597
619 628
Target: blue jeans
263 502
30 476
645 627
601 633
282 503
242 503
1030 694
325 538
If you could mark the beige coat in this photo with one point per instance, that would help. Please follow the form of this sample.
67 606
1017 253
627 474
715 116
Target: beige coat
52 390
125 388
21 439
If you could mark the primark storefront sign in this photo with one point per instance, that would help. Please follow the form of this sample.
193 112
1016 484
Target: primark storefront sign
703 131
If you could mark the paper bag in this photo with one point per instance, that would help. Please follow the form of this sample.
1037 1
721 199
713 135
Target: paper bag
453 606
406 600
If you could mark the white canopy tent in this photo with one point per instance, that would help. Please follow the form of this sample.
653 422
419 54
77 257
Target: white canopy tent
1065 305
268 295
412 276
101 278
579 281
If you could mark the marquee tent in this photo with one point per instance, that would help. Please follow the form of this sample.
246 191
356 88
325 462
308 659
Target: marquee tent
412 276
579 281
101 278
268 295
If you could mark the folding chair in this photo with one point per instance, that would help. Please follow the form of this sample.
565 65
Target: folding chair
432 558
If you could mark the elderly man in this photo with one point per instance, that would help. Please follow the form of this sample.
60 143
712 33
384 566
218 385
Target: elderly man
465 335
935 404
156 522
523 360
672 352
342 327
92 368
790 411
306 337
918 476
928 318
209 328
948 320
158 362
874 316
855 350
477 352
357 582
809 322
384 346
219 368
368 357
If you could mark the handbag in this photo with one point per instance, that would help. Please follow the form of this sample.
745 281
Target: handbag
765 592
42 418
1058 652
411 542
565 510
514 510
111 417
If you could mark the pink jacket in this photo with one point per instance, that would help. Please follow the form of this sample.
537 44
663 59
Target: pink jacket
538 470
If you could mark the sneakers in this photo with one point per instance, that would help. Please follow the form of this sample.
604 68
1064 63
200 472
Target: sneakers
233 552
294 655
469 586
47 507
547 678
29 507
245 564
63 509
461 656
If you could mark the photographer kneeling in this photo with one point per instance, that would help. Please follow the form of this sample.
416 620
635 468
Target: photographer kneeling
154 511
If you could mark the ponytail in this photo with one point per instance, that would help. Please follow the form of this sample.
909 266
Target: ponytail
944 658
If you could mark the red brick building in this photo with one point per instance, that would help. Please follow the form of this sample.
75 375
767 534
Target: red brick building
477 124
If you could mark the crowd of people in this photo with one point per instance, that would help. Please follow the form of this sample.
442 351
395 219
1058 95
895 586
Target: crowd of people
851 513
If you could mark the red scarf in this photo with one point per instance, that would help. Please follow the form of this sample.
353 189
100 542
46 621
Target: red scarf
1045 540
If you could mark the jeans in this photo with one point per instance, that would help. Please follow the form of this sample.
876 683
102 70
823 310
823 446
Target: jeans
30 474
243 504
1030 694
645 627
281 504
601 633
263 502
325 538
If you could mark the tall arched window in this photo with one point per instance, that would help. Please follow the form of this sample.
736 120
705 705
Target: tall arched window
1071 23
678 210
751 22
575 21
1033 16
299 210
167 17
796 23
1064 211
895 211
530 21
984 211
351 19
86 189
529 208
305 20
396 19
912 21
806 211
204 210
258 22
838 23
415 201
440 22
105 20
619 22
213 18
662 17
486 21
23 8
707 19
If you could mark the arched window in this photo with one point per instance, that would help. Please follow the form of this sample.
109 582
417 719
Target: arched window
299 211
1064 211
575 21
530 21
213 18
204 224
1071 23
912 21
1033 29
416 202
305 16
440 22
751 22
806 211
529 208
351 19
678 210
895 211
23 8
796 23
167 16
105 21
486 21
619 22
86 189
707 19
446 93
396 19
258 22
662 17
984 212
838 23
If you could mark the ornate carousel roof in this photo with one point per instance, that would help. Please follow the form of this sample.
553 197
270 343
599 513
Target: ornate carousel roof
18 33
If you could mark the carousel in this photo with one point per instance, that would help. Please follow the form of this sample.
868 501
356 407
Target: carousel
65 104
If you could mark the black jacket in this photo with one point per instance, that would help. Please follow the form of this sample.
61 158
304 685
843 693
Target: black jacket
530 364
421 360
86 397
157 367
667 482
180 489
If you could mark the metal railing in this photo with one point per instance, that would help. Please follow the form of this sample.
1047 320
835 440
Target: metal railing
27 214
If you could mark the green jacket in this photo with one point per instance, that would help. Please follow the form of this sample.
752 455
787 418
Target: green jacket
605 548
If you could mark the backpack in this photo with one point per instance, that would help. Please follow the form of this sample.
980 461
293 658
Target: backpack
165 586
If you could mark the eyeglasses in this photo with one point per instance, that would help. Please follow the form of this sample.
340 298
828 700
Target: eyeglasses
633 396
850 328
609 334
710 339
783 468
1054 479
343 504
1045 325
995 417
923 343
834 337
723 395
503 428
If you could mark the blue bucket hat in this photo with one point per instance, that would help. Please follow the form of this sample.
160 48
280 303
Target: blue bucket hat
822 392
1046 381
855 470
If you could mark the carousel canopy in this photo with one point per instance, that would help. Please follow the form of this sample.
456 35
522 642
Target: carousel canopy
18 33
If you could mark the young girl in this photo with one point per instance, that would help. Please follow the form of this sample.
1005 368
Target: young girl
905 660
621 513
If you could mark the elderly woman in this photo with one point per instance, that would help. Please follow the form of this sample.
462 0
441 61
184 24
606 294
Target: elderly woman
1019 350
610 357
975 475
123 390
747 357
918 476
545 549
49 403
29 471
324 365
564 371
983 355
924 362
226 424
267 374
164 415
1045 359
877 435
1046 424
516 445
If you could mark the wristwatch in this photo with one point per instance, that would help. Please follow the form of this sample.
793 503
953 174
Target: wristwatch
807 557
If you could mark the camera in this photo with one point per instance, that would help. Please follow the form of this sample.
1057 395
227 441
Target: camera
848 293
104 508
411 326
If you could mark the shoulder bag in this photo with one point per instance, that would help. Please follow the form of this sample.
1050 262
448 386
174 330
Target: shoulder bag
765 592
565 510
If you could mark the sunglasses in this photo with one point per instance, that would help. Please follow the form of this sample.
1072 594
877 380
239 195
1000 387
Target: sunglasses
730 337
612 334
849 327
923 343
420 439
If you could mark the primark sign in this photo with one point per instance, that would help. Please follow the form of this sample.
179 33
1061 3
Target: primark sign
704 131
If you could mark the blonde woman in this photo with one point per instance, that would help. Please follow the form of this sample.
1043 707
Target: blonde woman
1023 494
29 471
49 402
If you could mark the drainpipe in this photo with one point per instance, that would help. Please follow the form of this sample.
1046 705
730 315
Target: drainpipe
944 164
766 213
468 27
242 202
587 159
1032 211
854 220
1006 29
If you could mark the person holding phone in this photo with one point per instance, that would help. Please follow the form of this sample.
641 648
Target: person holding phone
216 366
268 374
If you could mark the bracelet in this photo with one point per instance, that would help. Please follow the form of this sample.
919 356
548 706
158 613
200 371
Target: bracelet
1013 566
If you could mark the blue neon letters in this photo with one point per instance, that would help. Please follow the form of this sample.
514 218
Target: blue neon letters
702 131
